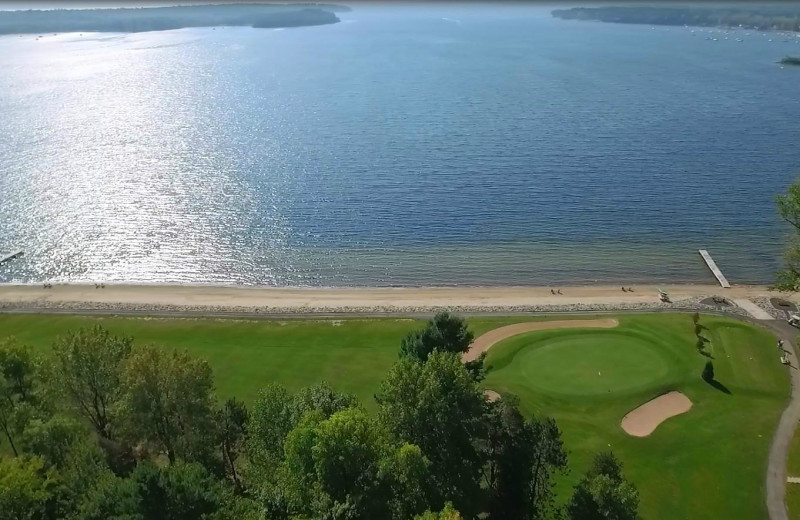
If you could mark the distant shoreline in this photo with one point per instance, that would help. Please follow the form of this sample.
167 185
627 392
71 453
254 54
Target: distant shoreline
142 19
213 300
763 19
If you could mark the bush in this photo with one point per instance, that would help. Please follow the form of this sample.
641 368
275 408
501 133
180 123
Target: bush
696 318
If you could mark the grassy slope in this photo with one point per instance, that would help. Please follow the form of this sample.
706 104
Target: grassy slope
706 464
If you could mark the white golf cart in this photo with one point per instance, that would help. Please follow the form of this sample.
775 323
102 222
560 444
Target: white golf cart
794 320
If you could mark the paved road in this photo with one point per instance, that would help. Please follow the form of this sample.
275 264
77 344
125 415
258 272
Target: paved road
779 451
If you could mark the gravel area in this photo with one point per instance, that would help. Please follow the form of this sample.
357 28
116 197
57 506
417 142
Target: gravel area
689 304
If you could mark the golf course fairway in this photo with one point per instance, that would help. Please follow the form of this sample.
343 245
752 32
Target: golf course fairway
707 463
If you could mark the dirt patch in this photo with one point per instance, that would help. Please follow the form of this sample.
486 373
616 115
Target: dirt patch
487 340
716 301
643 421
491 395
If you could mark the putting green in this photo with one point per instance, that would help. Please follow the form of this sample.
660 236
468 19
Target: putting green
604 362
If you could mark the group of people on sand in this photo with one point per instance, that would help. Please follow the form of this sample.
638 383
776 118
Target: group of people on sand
47 286
553 291
629 289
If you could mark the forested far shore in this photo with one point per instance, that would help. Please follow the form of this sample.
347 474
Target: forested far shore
167 18
779 18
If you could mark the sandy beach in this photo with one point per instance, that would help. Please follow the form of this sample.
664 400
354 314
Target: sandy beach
303 300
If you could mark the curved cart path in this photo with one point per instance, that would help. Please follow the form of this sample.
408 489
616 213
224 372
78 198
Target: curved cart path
779 450
485 341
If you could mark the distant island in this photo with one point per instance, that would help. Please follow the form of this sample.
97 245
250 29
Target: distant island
166 18
791 60
775 17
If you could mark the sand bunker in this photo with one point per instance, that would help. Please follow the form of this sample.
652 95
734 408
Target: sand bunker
643 421
485 341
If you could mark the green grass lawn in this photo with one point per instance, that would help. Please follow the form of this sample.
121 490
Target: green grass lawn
353 355
706 464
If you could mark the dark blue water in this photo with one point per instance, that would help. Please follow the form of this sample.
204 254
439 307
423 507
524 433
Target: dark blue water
405 146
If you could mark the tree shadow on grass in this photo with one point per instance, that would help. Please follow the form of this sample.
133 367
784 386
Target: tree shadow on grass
719 386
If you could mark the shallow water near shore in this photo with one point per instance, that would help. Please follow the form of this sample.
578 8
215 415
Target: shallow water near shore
405 146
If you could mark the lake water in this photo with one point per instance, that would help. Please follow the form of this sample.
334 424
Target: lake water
404 146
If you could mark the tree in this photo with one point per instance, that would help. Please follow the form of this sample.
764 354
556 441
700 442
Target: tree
66 446
181 491
17 369
232 427
87 366
789 209
348 466
276 412
407 472
445 333
111 498
437 406
603 493
280 421
448 513
26 487
347 454
167 402
523 455
708 372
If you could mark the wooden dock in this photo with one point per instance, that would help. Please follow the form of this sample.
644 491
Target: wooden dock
6 257
714 269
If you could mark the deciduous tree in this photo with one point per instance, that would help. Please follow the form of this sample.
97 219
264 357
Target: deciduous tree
232 422
26 487
523 455
789 209
87 366
603 493
167 402
437 406
17 393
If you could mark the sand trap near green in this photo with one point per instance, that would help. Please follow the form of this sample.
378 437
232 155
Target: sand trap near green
644 420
